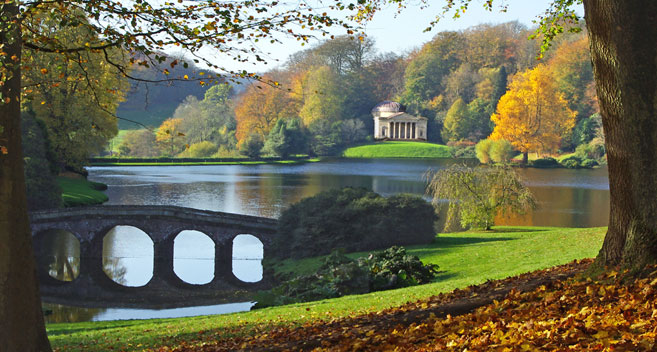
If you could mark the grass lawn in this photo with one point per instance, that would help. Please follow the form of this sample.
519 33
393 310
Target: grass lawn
80 192
397 149
465 258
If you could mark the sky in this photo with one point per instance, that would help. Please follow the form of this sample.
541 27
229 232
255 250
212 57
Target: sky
403 32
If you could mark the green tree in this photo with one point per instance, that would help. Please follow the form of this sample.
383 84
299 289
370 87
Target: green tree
41 168
457 122
476 195
427 70
140 143
325 137
252 146
79 117
287 137
324 96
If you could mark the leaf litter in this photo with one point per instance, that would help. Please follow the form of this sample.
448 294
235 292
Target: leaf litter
545 310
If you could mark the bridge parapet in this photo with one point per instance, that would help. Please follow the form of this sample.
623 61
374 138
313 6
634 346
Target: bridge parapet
162 224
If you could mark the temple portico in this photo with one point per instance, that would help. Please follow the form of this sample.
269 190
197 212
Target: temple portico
391 122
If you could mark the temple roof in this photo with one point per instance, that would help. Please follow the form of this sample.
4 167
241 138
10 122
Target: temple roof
388 106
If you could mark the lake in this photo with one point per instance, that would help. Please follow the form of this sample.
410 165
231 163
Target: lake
568 198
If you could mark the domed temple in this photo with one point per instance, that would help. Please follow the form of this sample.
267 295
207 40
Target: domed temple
392 122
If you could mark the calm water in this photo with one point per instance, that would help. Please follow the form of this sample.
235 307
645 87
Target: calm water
572 198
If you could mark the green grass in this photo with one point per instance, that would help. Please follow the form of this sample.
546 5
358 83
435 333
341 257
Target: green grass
235 162
397 149
465 258
80 192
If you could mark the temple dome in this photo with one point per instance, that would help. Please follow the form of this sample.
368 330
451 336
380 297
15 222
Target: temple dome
388 106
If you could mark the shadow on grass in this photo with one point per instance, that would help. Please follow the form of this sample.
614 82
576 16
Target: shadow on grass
444 275
448 241
515 229
445 243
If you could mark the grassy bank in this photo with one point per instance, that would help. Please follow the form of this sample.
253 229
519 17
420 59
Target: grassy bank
464 258
80 192
185 162
397 149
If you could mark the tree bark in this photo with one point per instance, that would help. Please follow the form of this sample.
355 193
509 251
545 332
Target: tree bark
623 39
21 320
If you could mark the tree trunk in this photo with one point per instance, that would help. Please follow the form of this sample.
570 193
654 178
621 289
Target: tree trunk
21 319
525 158
623 39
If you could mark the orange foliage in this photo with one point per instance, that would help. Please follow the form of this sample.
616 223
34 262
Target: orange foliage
533 115
553 314
259 108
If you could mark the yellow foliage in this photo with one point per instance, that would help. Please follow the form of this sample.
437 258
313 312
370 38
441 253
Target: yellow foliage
533 115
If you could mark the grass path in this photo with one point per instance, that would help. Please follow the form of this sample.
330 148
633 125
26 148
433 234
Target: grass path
397 149
465 258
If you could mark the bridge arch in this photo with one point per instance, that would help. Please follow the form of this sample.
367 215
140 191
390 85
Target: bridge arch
162 224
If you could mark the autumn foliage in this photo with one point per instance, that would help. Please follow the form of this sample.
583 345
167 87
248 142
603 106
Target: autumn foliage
533 115
539 311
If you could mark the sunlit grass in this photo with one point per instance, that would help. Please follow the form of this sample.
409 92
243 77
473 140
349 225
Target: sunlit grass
464 259
80 192
398 149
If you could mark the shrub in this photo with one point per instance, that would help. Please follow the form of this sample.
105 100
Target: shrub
571 162
339 276
589 163
354 219
203 149
464 152
501 151
482 150
545 163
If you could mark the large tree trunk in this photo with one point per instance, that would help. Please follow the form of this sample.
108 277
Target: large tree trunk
21 320
623 39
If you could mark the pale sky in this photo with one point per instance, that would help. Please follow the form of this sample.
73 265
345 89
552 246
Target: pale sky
403 32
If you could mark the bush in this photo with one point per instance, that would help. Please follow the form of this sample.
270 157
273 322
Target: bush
353 219
203 149
545 163
501 151
482 150
464 152
571 162
339 276
589 163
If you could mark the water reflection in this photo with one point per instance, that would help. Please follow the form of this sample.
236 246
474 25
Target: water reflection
193 257
128 256
574 198
55 313
62 252
247 258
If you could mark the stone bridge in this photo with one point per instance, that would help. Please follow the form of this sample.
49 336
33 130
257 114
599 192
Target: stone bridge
92 287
